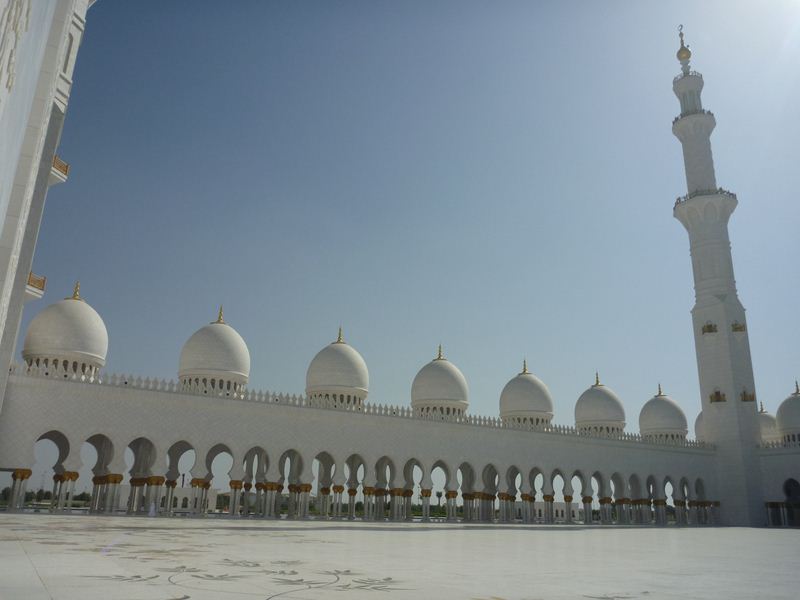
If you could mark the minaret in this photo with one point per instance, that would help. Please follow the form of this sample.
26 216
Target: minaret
727 388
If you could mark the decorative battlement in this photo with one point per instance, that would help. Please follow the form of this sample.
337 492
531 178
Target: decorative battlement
701 111
688 74
718 191
737 327
300 401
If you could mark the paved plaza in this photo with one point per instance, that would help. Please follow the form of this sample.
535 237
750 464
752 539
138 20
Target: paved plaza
136 558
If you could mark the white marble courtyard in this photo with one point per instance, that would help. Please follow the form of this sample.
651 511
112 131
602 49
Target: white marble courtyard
81 557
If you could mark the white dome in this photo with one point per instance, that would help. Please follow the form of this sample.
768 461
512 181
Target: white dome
699 430
768 426
338 368
215 351
788 415
68 330
440 386
526 397
599 408
661 416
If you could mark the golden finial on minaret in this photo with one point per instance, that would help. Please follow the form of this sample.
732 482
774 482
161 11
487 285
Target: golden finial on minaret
659 390
220 316
596 378
76 292
524 367
440 355
684 54
340 337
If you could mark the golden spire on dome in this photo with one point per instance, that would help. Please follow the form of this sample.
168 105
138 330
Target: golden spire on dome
440 355
524 367
340 337
597 379
76 292
660 393
220 316
762 408
684 54
796 388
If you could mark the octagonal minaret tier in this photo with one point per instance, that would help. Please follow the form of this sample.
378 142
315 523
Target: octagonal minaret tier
730 418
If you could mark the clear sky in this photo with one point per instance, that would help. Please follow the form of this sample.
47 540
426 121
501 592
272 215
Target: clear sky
495 177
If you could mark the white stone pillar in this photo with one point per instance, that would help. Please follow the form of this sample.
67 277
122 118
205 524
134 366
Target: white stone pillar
351 502
587 510
425 496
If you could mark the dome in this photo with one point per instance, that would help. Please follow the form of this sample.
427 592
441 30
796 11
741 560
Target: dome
68 330
215 356
338 369
788 417
662 418
599 410
440 387
768 426
699 430
526 399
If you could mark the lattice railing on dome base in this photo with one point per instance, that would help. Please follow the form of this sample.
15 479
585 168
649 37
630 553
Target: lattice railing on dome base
300 401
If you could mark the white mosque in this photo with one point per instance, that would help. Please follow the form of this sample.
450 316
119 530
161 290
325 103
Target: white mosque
330 446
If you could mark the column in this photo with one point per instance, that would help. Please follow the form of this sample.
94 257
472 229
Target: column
408 513
338 490
246 487
379 501
621 505
71 477
98 482
325 498
660 509
548 508
170 484
713 510
605 510
351 503
450 501
305 499
112 492
194 499
693 512
587 510
568 508
233 505
425 495
680 512
19 478
58 478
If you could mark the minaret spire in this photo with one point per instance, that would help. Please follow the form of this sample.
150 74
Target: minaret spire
220 316
440 355
684 54
340 337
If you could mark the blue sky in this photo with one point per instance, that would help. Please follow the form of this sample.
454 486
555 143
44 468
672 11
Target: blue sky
495 177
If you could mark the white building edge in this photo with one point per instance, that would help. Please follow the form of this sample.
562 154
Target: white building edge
743 470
